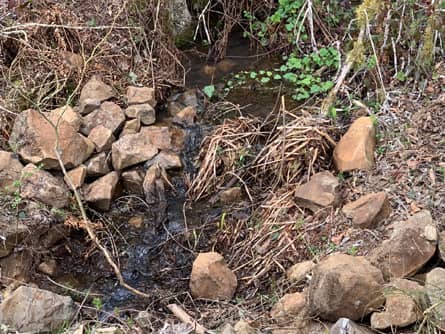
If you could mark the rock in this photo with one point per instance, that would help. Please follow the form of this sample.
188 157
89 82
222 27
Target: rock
230 195
39 185
109 115
131 127
102 138
16 267
211 278
186 117
289 306
48 267
144 112
298 272
98 165
181 19
189 98
243 327
407 250
356 148
401 306
435 287
178 137
35 310
347 326
174 107
33 138
159 136
12 232
108 330
320 192
132 149
68 115
89 105
95 90
430 233
153 186
101 192
369 210
132 181
165 159
228 329
136 221
442 245
344 286
141 95
10 172
77 176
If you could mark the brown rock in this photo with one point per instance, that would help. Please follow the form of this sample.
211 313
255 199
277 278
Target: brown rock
12 232
132 181
36 311
131 127
298 272
89 105
136 221
230 195
144 112
166 159
435 287
174 107
16 267
77 176
101 192
34 140
289 306
211 278
407 250
243 327
186 117
153 185
41 186
347 326
159 136
320 192
356 148
401 306
109 115
10 172
102 138
98 165
369 210
344 286
68 115
189 98
140 95
131 150
48 267
441 245
177 139
95 89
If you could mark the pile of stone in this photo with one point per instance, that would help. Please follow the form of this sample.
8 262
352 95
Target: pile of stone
103 147
343 289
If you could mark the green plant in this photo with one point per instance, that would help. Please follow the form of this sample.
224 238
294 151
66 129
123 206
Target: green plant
353 250
209 91
97 303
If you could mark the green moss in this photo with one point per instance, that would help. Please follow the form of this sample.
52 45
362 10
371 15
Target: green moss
368 11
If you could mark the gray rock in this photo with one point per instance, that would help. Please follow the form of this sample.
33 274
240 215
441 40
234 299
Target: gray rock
39 185
181 19
34 310
347 326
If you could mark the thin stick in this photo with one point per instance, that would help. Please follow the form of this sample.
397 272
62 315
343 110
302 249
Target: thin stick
179 312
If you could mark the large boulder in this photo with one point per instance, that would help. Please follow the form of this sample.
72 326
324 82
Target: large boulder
101 192
408 248
40 185
402 307
320 192
110 115
369 210
130 150
10 172
344 286
211 278
35 311
355 151
435 287
33 138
